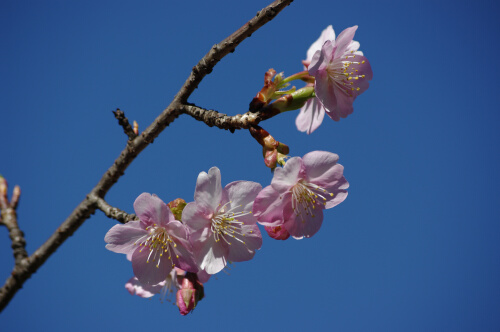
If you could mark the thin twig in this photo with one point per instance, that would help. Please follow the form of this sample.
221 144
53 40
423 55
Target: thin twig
9 220
123 121
88 206
113 212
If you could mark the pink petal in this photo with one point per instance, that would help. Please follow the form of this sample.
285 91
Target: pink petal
344 40
326 93
121 238
213 256
320 168
196 216
353 48
183 257
208 190
240 252
327 34
203 276
148 273
339 197
268 207
311 116
135 287
344 103
242 193
303 224
284 178
151 209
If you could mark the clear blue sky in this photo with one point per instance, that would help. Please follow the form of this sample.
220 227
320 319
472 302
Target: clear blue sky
415 246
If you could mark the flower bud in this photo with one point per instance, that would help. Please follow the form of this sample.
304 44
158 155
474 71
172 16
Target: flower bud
176 206
190 293
277 233
273 151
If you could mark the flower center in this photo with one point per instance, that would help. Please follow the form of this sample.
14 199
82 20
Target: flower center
343 72
157 241
306 196
226 225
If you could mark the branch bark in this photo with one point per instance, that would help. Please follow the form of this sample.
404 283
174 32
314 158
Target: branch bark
113 212
87 207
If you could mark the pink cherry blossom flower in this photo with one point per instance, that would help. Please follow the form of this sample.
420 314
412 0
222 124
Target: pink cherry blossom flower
312 113
155 244
222 225
300 191
167 288
341 74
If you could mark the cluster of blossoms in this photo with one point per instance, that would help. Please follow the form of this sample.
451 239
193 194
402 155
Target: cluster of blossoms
177 256
175 248
341 74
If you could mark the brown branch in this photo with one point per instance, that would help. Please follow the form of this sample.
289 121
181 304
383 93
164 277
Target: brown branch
228 45
220 120
123 121
9 219
113 212
88 206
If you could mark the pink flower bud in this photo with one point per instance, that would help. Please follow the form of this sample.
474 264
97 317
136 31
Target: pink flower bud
277 233
190 293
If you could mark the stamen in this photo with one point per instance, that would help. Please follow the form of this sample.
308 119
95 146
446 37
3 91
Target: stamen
305 198
225 223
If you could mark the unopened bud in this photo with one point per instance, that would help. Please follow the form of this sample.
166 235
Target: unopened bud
16 194
273 151
136 128
176 206
190 293
277 233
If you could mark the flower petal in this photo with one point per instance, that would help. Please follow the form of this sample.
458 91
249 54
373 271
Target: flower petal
151 209
344 40
135 287
284 178
327 34
208 190
183 256
311 116
240 252
319 167
149 273
213 256
344 103
196 216
268 207
327 94
242 193
302 224
121 238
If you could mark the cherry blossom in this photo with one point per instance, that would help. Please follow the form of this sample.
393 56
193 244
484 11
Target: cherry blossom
341 57
300 191
341 74
222 225
155 244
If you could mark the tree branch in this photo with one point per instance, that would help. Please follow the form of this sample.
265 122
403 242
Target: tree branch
123 121
88 206
113 212
9 219
228 45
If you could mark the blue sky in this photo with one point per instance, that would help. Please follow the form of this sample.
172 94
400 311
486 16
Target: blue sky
414 247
